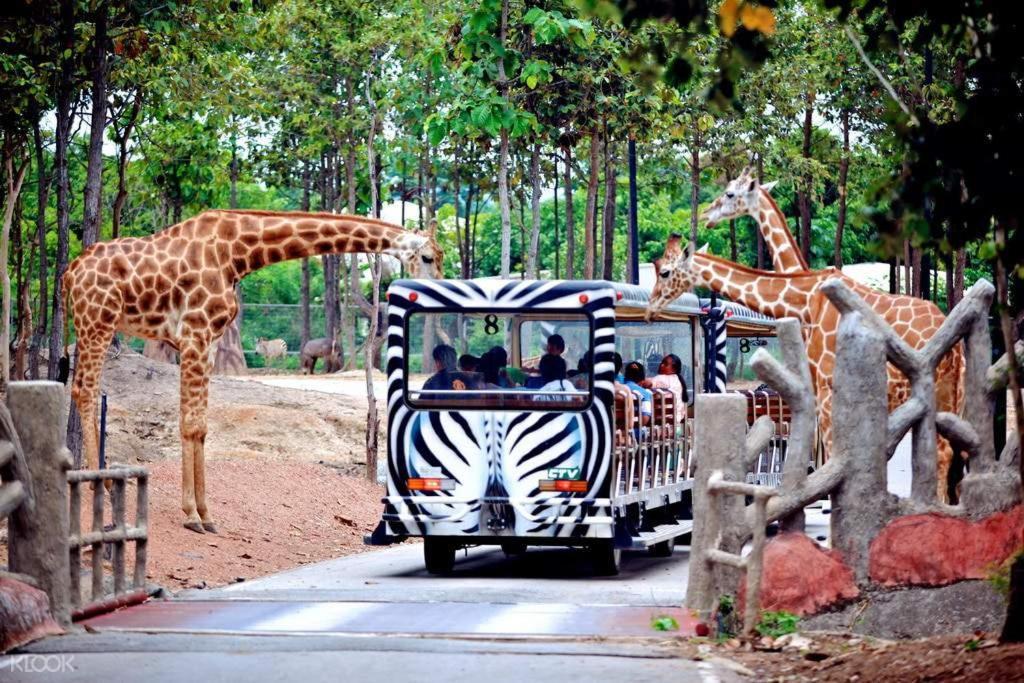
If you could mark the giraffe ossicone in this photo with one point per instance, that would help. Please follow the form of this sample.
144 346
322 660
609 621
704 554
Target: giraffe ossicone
177 286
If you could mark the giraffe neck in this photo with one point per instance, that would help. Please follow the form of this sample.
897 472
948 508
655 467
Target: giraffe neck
787 257
776 294
260 238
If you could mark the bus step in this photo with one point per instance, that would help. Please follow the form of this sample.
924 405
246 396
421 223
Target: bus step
662 533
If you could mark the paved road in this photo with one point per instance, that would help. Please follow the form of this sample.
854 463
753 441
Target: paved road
379 616
541 616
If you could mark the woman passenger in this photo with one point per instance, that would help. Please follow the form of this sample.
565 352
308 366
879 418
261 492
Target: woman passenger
670 376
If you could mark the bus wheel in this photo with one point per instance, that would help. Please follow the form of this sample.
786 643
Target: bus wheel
606 558
513 548
663 549
438 555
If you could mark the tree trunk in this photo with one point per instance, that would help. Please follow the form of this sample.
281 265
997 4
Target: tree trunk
958 275
467 265
503 199
907 255
157 350
694 185
122 163
844 169
557 241
570 219
589 226
372 344
804 195
533 258
305 206
229 358
1013 628
94 170
64 116
42 199
14 177
915 273
461 236
608 250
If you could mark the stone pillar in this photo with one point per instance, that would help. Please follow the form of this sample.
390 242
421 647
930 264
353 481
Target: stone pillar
861 504
39 540
720 430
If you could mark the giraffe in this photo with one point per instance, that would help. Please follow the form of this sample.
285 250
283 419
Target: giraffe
798 295
177 286
744 196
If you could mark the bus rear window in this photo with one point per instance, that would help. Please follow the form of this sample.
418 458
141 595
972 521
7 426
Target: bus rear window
498 360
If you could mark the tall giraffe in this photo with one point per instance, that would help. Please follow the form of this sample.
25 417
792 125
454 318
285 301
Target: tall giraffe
744 196
177 286
799 295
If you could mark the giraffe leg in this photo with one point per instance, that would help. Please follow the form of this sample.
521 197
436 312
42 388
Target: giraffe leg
92 347
195 379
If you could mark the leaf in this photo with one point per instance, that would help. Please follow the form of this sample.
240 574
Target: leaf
664 623
727 15
758 18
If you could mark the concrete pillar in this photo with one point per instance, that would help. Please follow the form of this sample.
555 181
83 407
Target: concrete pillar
39 540
720 431
861 504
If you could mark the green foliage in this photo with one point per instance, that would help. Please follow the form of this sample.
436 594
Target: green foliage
663 623
999 574
775 624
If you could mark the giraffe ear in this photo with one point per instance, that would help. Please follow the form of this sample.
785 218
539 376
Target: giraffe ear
704 249
768 187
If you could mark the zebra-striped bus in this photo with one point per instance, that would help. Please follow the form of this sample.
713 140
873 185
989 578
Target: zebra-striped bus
509 423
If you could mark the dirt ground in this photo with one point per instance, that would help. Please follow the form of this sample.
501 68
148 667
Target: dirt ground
844 658
285 473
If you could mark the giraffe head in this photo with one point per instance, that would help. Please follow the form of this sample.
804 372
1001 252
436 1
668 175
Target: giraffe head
419 253
673 276
741 198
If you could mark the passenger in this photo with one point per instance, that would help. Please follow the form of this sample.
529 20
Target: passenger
444 364
670 376
634 376
552 370
581 378
468 363
621 390
556 345
492 366
509 377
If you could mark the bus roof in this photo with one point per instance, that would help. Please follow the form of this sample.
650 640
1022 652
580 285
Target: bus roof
635 298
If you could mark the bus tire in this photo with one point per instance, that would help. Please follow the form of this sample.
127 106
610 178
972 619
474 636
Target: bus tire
513 548
606 558
438 555
663 549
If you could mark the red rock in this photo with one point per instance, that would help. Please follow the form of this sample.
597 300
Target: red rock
801 577
24 614
934 550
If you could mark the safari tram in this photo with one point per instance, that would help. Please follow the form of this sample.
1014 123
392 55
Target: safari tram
537 413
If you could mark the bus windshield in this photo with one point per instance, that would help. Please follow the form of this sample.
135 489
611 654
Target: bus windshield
498 360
